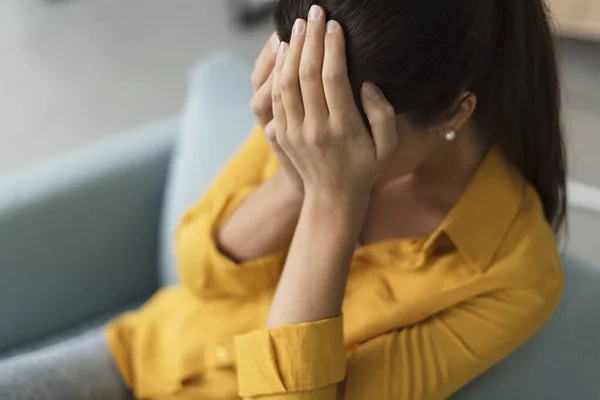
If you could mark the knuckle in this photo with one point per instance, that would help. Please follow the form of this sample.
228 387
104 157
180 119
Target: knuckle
259 67
316 137
312 31
271 135
279 66
388 110
281 138
343 130
333 76
255 79
276 96
286 81
257 106
309 73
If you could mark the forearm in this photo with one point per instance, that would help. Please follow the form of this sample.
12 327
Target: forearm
264 223
313 282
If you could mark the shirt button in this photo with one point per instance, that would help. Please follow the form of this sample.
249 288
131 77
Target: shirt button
223 354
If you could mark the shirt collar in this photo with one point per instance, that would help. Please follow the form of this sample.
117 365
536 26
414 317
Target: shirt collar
478 222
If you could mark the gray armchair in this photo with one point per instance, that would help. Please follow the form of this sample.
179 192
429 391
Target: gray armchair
78 235
80 239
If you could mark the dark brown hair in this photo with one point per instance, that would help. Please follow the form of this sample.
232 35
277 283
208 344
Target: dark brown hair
424 54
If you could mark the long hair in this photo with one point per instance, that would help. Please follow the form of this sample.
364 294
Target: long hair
424 54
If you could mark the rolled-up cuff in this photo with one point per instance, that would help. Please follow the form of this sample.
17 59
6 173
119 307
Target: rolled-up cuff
291 358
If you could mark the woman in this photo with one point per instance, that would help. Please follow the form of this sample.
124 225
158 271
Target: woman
392 237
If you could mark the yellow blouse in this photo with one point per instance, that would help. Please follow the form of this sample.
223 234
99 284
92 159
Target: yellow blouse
421 317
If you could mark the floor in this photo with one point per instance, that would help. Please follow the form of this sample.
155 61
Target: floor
75 71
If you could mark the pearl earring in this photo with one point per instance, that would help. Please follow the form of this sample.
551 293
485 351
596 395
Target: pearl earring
450 136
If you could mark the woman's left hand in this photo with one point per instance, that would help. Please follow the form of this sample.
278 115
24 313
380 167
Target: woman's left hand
318 124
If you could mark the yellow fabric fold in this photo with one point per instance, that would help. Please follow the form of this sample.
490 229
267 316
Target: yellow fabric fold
291 358
205 270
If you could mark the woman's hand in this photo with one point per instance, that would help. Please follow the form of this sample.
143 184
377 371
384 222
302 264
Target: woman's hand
261 106
317 122
262 82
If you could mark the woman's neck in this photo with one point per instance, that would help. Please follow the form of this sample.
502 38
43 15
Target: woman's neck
445 177
416 204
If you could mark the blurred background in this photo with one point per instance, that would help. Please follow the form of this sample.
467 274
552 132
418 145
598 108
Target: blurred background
75 71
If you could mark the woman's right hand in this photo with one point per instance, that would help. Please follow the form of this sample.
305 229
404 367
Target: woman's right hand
262 108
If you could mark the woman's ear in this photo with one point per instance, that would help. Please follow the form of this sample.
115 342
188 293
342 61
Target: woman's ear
467 103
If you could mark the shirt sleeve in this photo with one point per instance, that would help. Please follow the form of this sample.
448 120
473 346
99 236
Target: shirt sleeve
430 360
203 268
292 362
435 358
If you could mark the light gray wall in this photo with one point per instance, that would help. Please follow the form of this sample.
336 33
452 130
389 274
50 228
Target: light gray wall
580 64
584 235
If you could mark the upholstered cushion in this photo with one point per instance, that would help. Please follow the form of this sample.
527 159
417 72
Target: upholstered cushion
215 120
562 361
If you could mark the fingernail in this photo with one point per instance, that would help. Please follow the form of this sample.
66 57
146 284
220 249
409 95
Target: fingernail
274 42
372 91
315 13
282 48
298 26
332 26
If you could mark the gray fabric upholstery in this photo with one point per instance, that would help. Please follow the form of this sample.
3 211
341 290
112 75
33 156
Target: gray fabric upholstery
78 369
78 235
72 332
215 120
562 361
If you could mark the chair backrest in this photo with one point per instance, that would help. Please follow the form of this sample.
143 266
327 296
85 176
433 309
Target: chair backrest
215 121
562 361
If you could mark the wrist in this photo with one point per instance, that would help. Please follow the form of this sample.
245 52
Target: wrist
289 191
337 208
337 201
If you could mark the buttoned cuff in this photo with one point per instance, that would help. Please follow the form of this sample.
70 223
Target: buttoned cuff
206 271
291 358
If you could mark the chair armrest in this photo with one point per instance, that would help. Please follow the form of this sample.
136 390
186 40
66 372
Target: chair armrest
562 360
78 235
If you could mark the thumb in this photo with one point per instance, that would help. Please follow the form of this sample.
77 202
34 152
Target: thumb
382 118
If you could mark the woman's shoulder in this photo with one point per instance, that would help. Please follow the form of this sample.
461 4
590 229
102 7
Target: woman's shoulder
529 254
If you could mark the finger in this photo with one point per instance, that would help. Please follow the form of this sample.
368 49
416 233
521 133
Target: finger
277 104
289 83
336 83
265 62
282 158
382 119
271 135
311 65
261 104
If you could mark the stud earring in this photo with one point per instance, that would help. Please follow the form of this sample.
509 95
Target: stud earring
450 136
